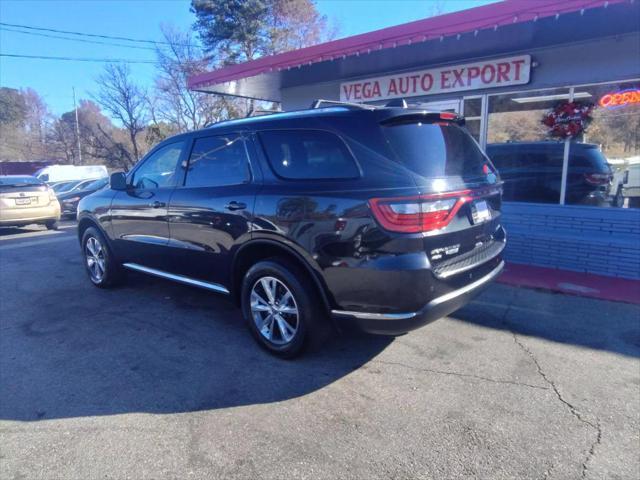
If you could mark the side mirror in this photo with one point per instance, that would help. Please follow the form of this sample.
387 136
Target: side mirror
118 181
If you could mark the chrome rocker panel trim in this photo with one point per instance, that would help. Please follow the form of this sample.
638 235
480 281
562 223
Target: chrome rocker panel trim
177 278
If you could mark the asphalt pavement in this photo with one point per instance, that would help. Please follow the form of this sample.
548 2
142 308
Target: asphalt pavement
156 380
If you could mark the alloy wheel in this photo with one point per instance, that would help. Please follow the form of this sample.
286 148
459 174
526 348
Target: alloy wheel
274 310
96 262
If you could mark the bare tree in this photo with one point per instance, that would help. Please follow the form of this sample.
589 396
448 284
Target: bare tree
124 100
173 101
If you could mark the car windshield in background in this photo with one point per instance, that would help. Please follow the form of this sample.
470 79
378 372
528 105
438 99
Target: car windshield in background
95 185
435 150
64 187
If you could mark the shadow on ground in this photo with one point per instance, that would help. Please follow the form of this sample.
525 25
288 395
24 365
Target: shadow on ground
150 347
584 322
68 349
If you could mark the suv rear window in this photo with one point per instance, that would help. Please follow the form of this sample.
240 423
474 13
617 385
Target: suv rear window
308 154
437 150
589 159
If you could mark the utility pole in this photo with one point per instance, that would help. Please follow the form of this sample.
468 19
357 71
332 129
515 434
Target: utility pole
75 107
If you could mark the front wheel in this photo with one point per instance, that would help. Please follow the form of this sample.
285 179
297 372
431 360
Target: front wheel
281 307
102 268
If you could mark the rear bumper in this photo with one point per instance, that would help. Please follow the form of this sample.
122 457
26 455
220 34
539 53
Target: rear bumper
69 208
398 323
26 216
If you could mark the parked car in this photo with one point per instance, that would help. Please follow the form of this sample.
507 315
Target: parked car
386 217
83 184
61 173
61 187
532 172
69 200
629 188
25 200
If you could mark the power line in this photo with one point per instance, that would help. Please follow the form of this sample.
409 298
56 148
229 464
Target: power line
108 37
77 59
83 40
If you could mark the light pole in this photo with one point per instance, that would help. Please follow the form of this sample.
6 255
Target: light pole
73 89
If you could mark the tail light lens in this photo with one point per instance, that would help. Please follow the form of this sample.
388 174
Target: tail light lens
597 178
52 195
420 213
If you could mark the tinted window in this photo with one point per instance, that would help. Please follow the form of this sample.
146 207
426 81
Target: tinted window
158 169
308 154
20 181
438 150
217 161
589 159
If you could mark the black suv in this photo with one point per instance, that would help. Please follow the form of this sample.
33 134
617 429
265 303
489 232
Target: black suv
386 217
532 172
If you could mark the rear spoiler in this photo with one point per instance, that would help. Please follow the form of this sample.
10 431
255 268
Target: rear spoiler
423 116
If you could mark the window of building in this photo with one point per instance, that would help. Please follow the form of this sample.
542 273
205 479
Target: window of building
308 154
603 163
217 161
605 159
472 111
158 169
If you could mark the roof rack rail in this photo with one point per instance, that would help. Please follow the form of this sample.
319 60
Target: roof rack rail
258 112
320 102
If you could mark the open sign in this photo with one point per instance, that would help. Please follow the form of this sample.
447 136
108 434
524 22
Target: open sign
620 99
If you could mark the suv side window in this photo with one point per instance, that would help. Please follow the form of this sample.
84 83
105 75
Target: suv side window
218 161
308 154
158 170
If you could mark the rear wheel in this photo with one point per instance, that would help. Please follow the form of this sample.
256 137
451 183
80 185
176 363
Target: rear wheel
281 308
102 268
51 225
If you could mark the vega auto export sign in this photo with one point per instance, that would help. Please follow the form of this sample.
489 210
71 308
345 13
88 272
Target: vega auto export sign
457 78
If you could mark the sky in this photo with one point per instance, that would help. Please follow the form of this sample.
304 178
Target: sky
141 19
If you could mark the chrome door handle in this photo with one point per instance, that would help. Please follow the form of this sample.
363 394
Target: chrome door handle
157 204
235 206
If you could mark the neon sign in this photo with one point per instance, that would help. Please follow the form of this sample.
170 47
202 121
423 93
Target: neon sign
620 99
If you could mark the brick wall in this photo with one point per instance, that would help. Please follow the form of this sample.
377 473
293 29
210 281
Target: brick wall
605 241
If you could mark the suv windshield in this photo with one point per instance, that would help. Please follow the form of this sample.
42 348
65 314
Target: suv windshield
439 150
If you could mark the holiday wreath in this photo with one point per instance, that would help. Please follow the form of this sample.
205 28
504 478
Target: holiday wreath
568 119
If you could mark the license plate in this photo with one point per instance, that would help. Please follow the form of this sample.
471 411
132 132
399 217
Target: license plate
23 201
480 212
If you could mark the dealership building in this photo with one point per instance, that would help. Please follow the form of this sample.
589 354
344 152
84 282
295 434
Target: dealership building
570 203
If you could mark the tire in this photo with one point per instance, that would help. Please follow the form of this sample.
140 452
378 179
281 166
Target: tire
51 225
309 326
104 271
618 200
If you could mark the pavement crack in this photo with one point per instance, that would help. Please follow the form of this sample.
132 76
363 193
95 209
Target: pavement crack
461 375
574 411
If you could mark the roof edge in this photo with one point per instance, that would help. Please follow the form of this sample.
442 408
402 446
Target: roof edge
474 19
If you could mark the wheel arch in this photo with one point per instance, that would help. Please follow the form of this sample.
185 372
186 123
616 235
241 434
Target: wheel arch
86 222
261 249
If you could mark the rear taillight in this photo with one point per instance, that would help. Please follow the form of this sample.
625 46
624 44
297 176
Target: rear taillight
420 213
52 195
597 178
